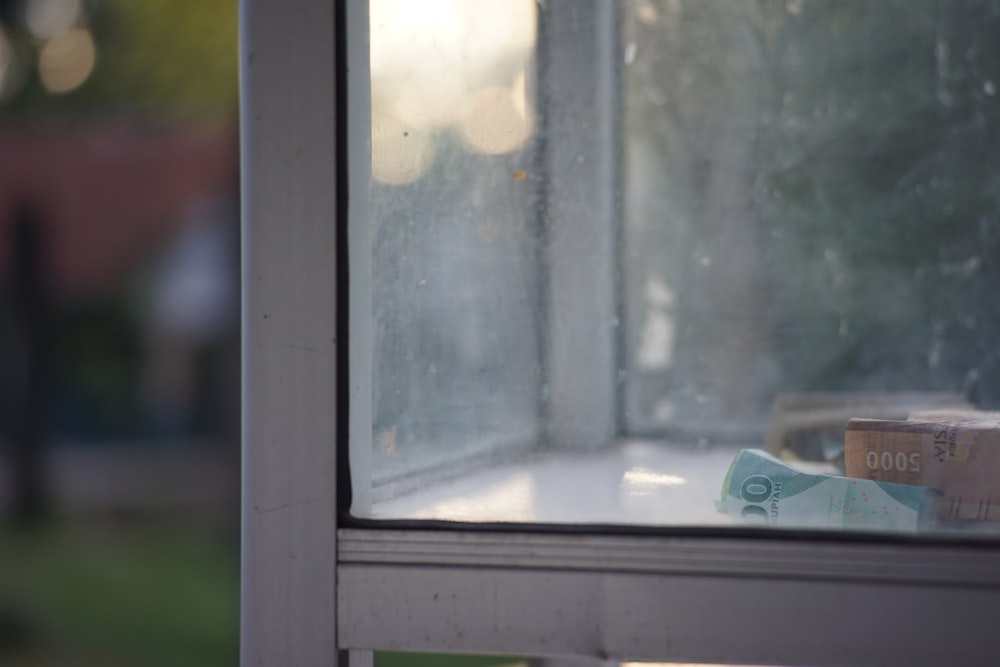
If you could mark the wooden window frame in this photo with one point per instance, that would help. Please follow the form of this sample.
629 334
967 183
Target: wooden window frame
316 595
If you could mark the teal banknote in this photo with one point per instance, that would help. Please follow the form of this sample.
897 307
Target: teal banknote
761 489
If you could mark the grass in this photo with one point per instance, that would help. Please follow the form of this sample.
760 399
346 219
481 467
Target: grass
387 659
155 596
130 595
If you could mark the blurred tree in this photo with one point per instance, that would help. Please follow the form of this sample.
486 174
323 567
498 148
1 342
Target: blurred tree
174 56
692 98
123 71
156 58
821 196
29 357
878 194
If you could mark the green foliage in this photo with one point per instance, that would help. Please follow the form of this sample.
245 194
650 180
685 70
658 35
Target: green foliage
390 659
156 59
879 185
843 159
155 597
178 56
96 368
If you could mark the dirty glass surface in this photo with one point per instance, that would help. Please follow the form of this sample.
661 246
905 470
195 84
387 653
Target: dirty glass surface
811 205
806 232
454 232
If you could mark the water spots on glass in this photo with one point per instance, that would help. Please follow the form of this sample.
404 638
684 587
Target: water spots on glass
387 441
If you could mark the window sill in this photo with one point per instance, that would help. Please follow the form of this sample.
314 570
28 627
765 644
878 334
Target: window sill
634 483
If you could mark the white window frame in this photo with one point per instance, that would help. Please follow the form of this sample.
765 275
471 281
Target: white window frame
316 595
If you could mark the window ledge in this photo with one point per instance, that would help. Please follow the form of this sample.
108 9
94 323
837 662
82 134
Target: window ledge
635 483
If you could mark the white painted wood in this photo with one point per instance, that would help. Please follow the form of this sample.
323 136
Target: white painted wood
604 597
357 659
578 81
644 483
798 559
289 328
607 614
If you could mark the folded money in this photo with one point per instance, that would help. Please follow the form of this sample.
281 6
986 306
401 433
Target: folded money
959 458
761 489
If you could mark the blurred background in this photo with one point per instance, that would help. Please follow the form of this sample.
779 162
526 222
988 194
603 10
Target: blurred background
119 333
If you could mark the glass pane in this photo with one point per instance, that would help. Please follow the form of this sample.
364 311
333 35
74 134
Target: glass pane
453 189
792 205
817 180
810 235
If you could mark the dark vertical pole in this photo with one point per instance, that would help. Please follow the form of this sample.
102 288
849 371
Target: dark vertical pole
28 367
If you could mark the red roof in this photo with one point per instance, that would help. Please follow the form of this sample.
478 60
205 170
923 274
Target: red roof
107 194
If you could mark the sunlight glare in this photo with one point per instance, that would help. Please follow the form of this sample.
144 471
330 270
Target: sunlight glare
436 66
400 154
495 122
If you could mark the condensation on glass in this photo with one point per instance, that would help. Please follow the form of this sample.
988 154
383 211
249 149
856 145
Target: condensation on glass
805 229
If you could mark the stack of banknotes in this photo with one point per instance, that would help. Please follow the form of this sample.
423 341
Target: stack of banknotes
933 470
761 489
958 457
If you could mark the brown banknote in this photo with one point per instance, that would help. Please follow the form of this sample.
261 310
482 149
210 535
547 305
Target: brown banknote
961 459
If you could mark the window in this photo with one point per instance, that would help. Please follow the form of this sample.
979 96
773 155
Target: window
609 247
586 323
454 273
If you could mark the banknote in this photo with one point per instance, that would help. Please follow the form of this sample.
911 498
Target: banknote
959 458
761 489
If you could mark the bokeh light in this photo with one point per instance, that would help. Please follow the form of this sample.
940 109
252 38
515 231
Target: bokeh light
47 18
6 63
67 60
496 121
400 154
447 65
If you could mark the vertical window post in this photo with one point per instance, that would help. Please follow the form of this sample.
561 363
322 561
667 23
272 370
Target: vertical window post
289 203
